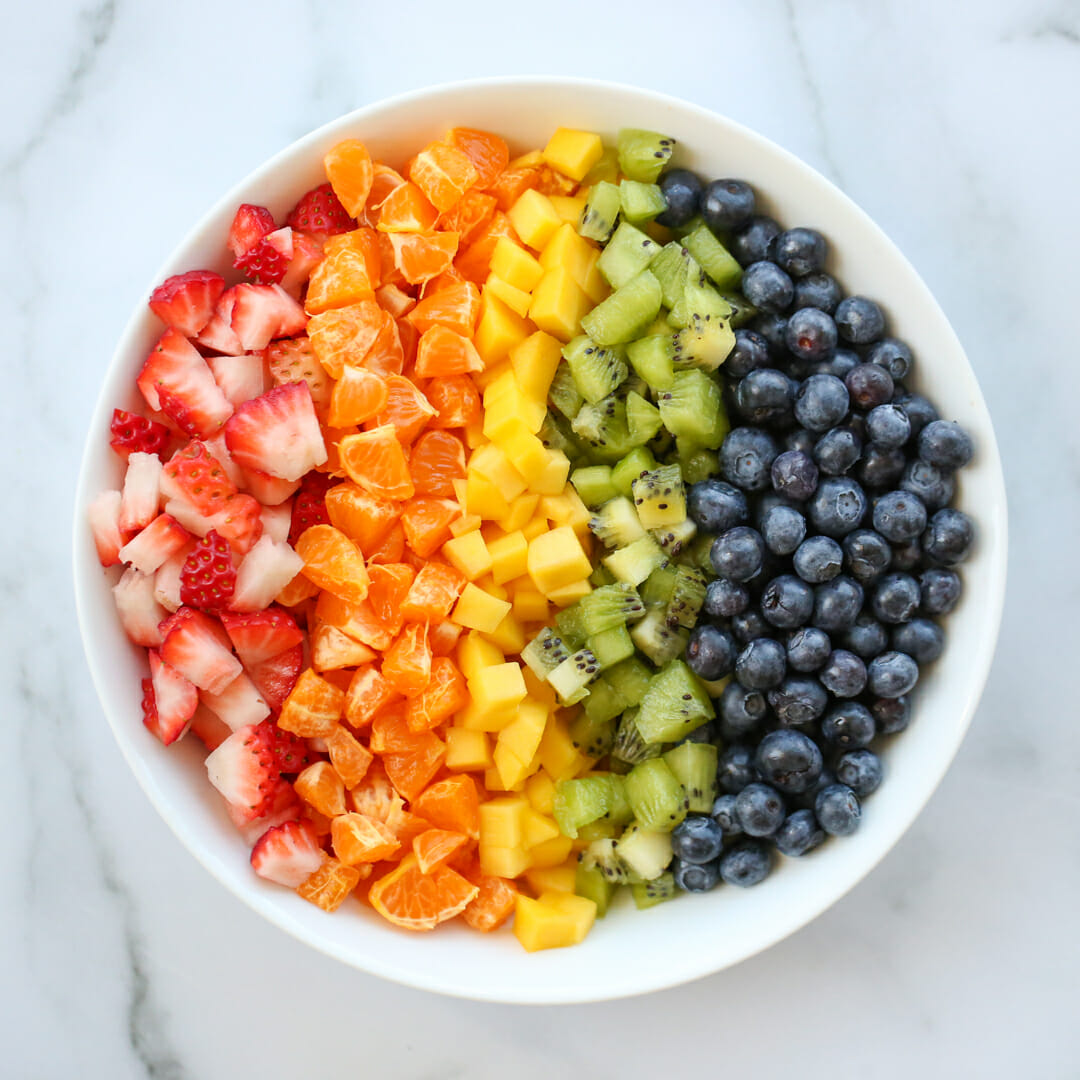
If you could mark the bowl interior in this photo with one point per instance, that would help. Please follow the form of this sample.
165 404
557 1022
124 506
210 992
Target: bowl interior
627 952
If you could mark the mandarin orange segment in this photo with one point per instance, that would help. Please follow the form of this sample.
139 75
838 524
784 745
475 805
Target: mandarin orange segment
444 173
453 803
297 591
443 352
443 637
375 796
345 335
407 663
392 548
488 153
493 904
406 209
456 307
443 696
406 409
332 649
357 838
553 182
413 900
433 593
356 620
433 847
369 693
411 772
474 262
375 461
343 277
364 518
313 707
394 300
384 180
418 257
357 396
388 586
350 172
456 401
333 562
437 458
387 354
330 885
427 522
319 822
320 786
350 758
469 215
511 184
390 733
448 278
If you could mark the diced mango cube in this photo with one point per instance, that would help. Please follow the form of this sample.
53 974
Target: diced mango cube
500 328
573 153
557 559
469 554
509 634
558 304
596 286
529 605
511 769
465 523
473 718
534 218
552 921
483 499
568 249
502 822
551 479
516 266
492 462
468 751
498 687
570 594
515 299
478 610
489 586
567 509
525 450
503 862
552 852
522 736
540 791
559 878
474 653
534 362
509 556
558 755
568 207
538 828
540 690
537 526
512 406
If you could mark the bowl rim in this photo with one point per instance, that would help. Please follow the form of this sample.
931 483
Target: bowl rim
700 965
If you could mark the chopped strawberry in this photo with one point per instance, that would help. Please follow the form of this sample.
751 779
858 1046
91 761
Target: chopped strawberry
276 677
218 333
245 774
176 379
217 449
193 475
307 254
239 520
309 508
239 705
142 492
294 360
284 805
140 613
275 520
269 490
261 313
173 700
134 433
210 728
167 579
249 225
197 646
288 854
208 577
320 213
290 752
103 514
277 433
160 540
239 377
186 301
267 568
265 262
260 635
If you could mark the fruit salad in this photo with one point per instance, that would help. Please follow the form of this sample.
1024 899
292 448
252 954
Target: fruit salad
436 532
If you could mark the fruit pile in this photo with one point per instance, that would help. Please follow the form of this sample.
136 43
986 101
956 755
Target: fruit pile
436 534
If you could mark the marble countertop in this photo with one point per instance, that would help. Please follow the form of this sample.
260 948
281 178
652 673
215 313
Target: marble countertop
954 126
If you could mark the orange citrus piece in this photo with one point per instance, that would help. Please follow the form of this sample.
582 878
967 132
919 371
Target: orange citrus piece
427 522
456 307
350 758
333 562
407 663
313 707
456 401
511 184
389 585
394 301
406 209
443 696
413 900
434 846
443 173
469 215
350 172
345 335
357 838
443 352
443 637
437 458
419 257
376 462
320 786
488 153
392 548
356 620
368 694
390 732
406 409
349 272
411 772
433 593
492 905
357 396
453 803
474 261
364 518
330 885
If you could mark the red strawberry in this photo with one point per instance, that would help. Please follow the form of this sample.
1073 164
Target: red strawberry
261 313
320 213
241 704
133 433
103 513
160 540
239 520
197 646
277 433
308 509
240 377
293 360
288 854
290 752
142 491
194 475
211 729
307 254
171 702
267 568
269 490
138 608
245 774
250 224
276 677
209 576
218 333
265 263
192 398
186 301
261 635
284 805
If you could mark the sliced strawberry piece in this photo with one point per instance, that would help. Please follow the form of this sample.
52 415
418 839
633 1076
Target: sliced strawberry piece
244 773
261 635
210 728
265 262
176 379
309 508
269 490
239 377
288 854
276 520
218 333
239 520
194 475
208 577
267 568
249 225
276 677
294 360
140 613
261 313
320 213
142 493
277 433
198 647
173 699
167 579
217 449
132 432
307 254
290 752
186 301
160 540
239 705
284 805
103 514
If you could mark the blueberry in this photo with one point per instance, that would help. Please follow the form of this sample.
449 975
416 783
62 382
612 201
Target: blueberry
738 553
906 558
808 648
767 287
893 355
933 485
810 335
844 674
799 833
747 863
837 604
869 385
682 193
838 506
746 456
724 598
789 760
782 528
771 327
799 700
735 768
806 800
753 242
818 559
888 425
892 674
711 652
741 710
895 598
787 602
899 516
715 506
697 839
695 877
880 467
837 450
760 809
821 402
761 664
817 291
750 352
860 770
765 396
948 537
727 205
922 639
800 251
794 474
867 637
800 440
748 626
946 444
859 320
891 715
920 412
866 555
839 364
723 812
939 591
837 809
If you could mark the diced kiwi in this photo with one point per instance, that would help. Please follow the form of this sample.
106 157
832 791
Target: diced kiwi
620 812
635 562
629 745
601 856
699 553
602 428
674 538
645 852
597 371
568 626
655 795
715 259
625 314
674 705
648 894
544 653
699 465
642 418
630 678
592 884
694 764
579 802
611 647
632 465
616 523
627 253
658 641
660 497
673 267
657 588
687 596
653 358
601 211
643 154
600 829
706 340
742 311
601 575
641 202
609 606
563 393
593 735
570 680
556 434
694 409
593 484
607 168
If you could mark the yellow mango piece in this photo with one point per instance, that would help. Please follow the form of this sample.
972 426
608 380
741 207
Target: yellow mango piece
499 329
560 878
509 556
483 499
538 828
514 265
539 690
573 153
512 406
534 218
533 159
474 653
502 821
552 921
479 610
515 299
536 527
522 736
540 791
492 462
525 450
473 718
557 559
465 523
485 378
489 586
570 594
558 304
558 755
568 207
509 634
469 554
552 852
467 751
534 362
498 687
596 287
551 479
568 249
511 769
567 509
503 862
530 606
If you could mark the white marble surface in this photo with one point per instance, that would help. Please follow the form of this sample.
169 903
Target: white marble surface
954 128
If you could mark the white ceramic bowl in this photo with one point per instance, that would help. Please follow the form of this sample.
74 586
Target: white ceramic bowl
628 952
